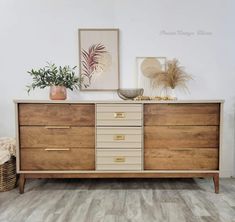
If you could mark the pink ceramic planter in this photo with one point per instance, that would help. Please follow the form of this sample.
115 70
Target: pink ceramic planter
58 93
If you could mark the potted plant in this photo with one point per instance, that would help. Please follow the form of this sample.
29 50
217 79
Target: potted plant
59 79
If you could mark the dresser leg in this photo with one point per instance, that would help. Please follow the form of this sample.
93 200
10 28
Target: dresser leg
21 183
216 182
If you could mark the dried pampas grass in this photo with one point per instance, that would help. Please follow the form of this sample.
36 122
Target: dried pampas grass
174 76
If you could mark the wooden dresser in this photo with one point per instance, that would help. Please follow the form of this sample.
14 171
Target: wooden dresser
118 139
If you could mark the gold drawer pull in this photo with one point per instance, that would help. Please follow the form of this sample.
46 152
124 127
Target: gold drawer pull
120 159
57 149
183 150
119 137
119 115
57 127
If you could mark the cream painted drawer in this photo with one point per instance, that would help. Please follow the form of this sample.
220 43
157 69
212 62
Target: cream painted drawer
118 136
121 145
122 122
116 167
123 115
118 160
118 107
119 115
118 130
117 152
115 159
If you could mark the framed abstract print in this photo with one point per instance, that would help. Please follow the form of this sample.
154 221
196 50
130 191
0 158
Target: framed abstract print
99 59
147 67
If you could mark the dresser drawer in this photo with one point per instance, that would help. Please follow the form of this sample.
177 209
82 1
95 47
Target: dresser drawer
125 107
181 159
119 167
121 145
57 114
57 159
118 137
181 114
114 159
117 152
57 136
181 137
119 115
119 160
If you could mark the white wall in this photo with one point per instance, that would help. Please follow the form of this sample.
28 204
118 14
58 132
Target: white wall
35 31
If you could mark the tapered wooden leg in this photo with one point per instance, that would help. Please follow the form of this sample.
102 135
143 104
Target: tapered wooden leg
21 183
216 182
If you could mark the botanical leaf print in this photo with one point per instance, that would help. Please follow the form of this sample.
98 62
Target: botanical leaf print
90 60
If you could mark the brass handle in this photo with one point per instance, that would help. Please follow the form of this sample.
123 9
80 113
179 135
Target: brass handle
119 137
119 159
119 115
182 150
180 126
57 127
57 149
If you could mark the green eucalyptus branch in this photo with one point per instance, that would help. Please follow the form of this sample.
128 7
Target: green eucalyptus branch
51 75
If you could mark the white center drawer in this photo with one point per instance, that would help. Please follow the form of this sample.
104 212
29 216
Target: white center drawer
118 137
119 114
114 159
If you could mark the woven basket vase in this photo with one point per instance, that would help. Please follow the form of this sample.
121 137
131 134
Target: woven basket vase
8 175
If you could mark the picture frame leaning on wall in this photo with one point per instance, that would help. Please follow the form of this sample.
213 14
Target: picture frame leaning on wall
99 59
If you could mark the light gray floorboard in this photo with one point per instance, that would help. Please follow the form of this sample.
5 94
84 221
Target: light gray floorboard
124 200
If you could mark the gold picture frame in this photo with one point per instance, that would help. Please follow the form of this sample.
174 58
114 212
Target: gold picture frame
99 59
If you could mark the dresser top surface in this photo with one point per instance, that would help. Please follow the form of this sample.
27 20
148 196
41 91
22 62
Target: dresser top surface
118 101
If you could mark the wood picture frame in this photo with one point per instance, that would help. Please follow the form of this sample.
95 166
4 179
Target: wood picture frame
99 59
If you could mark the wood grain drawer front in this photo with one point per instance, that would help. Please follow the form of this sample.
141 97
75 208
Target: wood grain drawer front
115 159
118 137
181 114
181 136
36 136
119 115
57 114
181 159
57 159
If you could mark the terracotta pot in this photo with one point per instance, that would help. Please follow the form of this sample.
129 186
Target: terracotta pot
58 93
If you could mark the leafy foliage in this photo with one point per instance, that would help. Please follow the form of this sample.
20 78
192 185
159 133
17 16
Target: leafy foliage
90 60
52 75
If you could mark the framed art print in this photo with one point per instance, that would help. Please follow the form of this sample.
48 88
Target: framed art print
99 59
147 67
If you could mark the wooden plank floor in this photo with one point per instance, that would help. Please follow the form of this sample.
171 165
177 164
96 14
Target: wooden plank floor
139 200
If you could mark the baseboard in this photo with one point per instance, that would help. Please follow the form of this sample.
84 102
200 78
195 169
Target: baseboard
226 174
